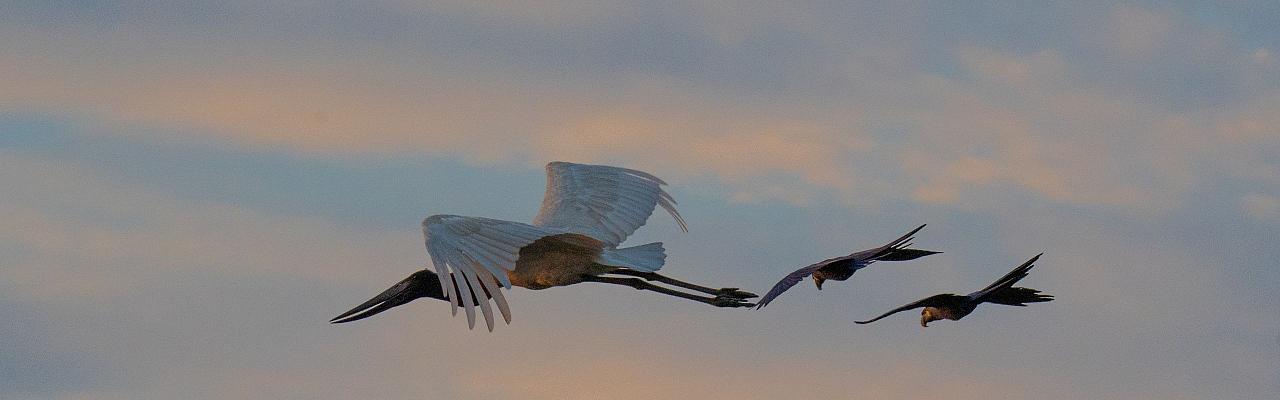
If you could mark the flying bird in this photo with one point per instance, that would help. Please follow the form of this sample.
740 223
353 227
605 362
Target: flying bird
841 268
587 212
953 306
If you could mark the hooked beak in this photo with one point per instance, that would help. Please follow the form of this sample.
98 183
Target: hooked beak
817 281
421 284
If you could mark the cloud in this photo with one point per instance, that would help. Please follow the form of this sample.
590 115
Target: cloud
1026 121
1261 205
1250 133
880 127
738 149
380 107
166 297
65 218
338 108
1101 154
664 375
1135 32
1263 57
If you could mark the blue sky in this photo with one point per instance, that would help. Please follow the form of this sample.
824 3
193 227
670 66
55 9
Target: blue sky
193 189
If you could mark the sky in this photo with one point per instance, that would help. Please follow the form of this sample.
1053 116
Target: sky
192 189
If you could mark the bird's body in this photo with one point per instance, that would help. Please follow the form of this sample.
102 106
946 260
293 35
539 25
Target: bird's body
950 306
558 260
954 307
587 212
842 268
837 270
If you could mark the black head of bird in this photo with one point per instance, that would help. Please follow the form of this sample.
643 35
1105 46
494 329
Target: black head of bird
420 284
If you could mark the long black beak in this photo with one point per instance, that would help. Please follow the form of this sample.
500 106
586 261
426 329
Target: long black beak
421 284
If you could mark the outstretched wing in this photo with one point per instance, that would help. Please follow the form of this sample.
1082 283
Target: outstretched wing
603 202
939 300
479 251
893 251
788 281
1007 280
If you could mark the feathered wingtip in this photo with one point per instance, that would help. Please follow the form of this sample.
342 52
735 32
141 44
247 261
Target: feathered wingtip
1017 296
907 254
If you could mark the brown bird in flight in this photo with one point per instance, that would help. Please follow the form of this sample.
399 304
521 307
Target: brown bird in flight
841 268
954 307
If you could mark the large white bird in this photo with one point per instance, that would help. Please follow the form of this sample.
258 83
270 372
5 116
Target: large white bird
587 212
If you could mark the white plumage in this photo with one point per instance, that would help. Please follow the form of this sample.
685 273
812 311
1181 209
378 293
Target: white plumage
605 204
478 249
588 211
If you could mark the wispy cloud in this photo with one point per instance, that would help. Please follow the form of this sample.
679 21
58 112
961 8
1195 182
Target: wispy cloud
1036 122
65 219
1135 145
1030 121
1136 32
1261 205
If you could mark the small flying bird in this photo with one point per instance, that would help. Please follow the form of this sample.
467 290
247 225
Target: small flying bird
953 306
587 211
841 268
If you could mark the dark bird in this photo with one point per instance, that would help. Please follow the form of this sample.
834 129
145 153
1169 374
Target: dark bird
841 268
953 306
587 212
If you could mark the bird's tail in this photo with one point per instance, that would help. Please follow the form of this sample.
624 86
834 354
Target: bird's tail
904 254
644 258
898 250
1017 296
1007 280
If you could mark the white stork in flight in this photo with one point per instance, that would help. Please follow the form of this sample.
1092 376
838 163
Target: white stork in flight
587 212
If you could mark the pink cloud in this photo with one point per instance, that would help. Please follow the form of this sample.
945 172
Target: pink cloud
1032 122
169 234
1261 205
1135 32
730 146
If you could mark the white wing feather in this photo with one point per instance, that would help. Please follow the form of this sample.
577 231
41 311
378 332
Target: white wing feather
479 251
603 202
